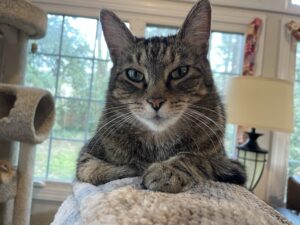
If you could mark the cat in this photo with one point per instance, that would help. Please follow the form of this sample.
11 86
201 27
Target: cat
7 172
163 118
7 181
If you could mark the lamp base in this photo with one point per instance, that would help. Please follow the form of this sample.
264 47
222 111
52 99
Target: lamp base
253 158
251 144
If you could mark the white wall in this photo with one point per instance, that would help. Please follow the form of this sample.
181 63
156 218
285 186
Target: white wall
274 11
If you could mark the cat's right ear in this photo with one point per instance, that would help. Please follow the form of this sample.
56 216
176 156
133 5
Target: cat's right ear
195 30
117 36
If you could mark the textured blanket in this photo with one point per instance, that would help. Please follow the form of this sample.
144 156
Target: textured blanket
125 202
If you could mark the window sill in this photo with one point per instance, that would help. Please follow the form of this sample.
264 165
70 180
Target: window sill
51 191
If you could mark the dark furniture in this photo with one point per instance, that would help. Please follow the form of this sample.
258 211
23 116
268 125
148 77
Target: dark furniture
292 210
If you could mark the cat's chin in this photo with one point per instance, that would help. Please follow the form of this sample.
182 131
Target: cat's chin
158 124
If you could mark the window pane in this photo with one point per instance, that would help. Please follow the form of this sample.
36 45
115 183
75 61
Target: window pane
101 50
296 2
95 112
226 59
41 72
71 117
79 36
154 30
75 77
226 52
63 160
50 43
101 79
41 159
294 151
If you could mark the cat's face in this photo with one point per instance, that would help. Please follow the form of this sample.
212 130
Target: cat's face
159 78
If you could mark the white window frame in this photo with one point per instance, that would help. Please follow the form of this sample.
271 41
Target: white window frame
277 178
139 14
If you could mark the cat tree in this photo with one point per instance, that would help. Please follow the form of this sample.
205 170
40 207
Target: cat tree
26 114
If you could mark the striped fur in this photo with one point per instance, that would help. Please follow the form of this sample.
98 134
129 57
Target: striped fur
182 142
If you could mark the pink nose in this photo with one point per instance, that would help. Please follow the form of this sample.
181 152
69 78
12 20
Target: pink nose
156 103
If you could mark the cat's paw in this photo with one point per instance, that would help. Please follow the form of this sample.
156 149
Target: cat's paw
86 171
165 178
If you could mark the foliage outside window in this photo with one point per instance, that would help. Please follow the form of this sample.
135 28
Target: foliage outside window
73 63
294 151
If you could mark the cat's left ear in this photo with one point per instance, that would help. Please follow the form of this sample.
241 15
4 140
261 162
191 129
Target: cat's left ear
117 36
195 30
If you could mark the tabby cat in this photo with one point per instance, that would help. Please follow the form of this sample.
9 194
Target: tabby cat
7 172
163 119
8 180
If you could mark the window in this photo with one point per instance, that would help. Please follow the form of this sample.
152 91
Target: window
294 151
226 57
73 63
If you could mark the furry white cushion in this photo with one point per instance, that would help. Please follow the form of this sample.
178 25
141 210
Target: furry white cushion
124 202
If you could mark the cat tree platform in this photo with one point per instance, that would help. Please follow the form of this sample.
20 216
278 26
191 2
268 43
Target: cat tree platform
23 16
26 114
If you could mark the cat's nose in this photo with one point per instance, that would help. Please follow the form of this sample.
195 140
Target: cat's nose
156 103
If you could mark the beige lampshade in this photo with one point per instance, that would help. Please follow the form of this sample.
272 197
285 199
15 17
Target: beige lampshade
259 102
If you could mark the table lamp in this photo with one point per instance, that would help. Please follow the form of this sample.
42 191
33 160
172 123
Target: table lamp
258 102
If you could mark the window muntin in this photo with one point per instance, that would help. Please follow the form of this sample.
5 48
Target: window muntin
294 150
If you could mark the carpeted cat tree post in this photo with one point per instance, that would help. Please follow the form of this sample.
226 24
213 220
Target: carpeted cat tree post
26 115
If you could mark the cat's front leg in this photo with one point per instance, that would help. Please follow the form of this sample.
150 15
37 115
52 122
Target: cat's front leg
167 176
96 171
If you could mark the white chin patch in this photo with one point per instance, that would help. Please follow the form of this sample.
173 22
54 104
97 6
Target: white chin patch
158 125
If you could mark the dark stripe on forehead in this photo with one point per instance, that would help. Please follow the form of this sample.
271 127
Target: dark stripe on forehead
138 57
155 48
165 41
129 58
164 46
146 46
152 46
163 49
172 56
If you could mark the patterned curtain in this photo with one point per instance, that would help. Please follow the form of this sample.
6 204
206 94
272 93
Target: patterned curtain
249 62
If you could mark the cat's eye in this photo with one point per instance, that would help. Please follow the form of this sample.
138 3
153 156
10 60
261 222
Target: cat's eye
134 75
179 72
